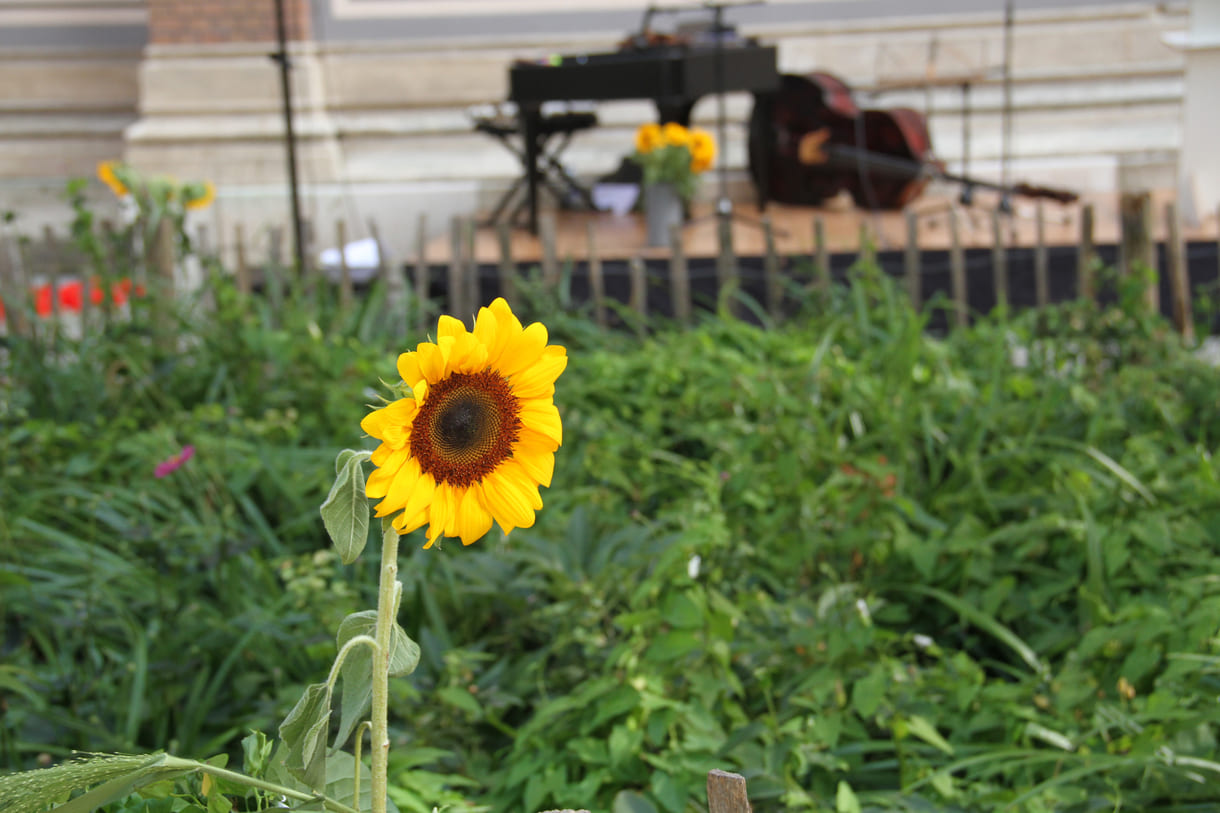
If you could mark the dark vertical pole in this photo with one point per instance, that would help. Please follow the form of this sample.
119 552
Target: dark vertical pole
281 57
1006 149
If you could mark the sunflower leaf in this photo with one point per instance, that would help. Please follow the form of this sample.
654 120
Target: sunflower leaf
357 669
345 513
304 734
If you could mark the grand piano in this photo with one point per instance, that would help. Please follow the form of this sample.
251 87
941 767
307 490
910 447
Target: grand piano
675 76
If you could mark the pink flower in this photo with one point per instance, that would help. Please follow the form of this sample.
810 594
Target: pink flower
174 463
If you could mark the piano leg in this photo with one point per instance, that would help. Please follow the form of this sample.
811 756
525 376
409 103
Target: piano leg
531 119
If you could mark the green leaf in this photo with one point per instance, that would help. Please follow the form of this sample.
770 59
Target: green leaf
357 670
112 776
984 622
627 801
460 698
927 732
345 513
845 799
867 693
304 734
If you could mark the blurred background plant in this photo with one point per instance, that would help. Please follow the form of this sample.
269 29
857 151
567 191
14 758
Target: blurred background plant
866 566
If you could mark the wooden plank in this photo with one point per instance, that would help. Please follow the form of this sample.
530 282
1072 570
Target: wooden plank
507 268
957 272
422 273
1137 248
161 295
771 277
550 254
726 263
911 266
470 271
242 269
1179 281
597 282
455 283
679 276
638 300
1042 284
1086 284
726 793
999 261
346 295
821 255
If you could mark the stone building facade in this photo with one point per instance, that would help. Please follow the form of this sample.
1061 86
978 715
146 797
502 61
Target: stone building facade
384 90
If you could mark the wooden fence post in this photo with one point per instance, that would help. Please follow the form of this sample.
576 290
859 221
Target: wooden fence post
999 261
550 256
162 293
1042 285
771 277
392 277
911 261
14 289
471 262
866 251
1086 287
726 263
597 282
54 261
1179 279
508 269
821 256
422 274
726 793
639 288
1137 248
679 276
345 273
242 270
274 275
455 283
957 271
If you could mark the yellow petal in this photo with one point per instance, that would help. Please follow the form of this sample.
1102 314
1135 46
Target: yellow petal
503 328
381 454
408 368
391 423
401 487
537 460
378 484
405 525
432 359
421 495
467 355
442 511
541 415
473 520
536 440
538 380
448 326
510 496
523 350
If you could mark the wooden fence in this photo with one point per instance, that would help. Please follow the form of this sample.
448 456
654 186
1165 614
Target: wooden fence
460 282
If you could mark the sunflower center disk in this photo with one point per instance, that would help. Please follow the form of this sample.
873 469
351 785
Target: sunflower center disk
466 428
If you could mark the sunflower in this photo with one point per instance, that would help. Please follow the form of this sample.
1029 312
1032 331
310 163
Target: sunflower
675 134
648 137
702 150
198 195
479 434
107 175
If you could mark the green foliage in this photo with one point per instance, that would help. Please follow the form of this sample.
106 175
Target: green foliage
867 567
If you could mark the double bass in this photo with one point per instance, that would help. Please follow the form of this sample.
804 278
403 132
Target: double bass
813 142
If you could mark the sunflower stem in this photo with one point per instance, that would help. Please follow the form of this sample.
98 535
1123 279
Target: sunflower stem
386 610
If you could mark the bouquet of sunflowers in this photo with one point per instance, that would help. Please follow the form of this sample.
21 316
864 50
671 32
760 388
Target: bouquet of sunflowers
673 154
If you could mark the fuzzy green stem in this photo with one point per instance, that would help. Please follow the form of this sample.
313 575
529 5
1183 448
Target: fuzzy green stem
387 605
250 781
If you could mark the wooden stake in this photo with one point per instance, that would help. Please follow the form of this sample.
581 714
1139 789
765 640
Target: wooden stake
1179 280
471 263
639 290
1086 287
999 261
508 269
163 261
679 276
394 279
821 255
957 271
242 270
422 275
456 281
550 256
866 251
726 793
911 261
597 283
54 263
345 273
771 277
14 289
1137 250
1042 285
726 263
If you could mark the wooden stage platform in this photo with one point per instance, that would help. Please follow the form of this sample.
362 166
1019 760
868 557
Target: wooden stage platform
623 236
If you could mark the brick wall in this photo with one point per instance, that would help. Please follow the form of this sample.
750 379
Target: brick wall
178 22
